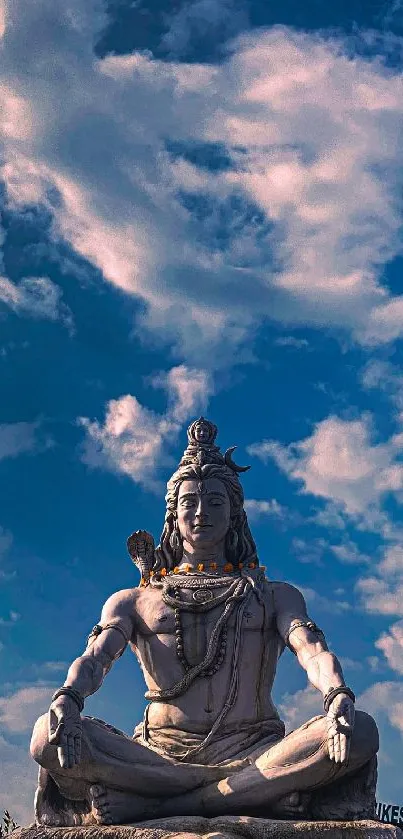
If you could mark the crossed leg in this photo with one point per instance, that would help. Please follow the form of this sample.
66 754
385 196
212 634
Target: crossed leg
116 774
300 762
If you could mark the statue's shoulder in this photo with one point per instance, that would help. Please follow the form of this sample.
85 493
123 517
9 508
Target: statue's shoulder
121 602
285 594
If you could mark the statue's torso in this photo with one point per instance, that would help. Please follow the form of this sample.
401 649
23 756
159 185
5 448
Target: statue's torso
154 643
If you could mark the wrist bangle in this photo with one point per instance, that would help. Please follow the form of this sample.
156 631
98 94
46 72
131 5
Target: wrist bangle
72 693
333 692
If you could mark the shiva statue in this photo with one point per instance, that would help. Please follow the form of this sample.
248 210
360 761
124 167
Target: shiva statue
207 627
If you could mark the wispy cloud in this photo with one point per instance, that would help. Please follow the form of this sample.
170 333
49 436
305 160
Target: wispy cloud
22 437
6 541
291 341
340 463
381 591
36 297
391 644
187 389
385 702
270 508
381 596
18 712
296 708
349 553
322 603
131 439
297 225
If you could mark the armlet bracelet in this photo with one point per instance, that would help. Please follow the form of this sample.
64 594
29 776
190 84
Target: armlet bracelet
97 629
335 692
309 625
72 693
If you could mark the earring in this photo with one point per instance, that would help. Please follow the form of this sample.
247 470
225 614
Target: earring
174 539
232 540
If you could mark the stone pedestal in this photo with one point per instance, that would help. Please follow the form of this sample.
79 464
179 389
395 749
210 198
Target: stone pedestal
224 827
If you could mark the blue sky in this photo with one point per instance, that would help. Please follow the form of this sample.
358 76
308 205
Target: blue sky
201 212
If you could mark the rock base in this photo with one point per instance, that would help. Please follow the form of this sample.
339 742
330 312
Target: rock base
224 827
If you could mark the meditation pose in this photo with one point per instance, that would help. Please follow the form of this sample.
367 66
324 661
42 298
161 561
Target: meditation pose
207 627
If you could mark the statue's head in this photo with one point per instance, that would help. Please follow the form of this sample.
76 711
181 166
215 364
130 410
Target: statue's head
204 503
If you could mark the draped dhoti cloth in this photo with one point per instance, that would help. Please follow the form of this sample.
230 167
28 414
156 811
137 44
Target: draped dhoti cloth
241 770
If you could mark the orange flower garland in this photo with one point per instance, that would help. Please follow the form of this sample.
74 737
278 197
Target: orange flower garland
187 568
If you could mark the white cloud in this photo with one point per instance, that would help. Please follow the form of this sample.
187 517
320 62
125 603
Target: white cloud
37 297
129 441
2 18
188 390
198 20
385 323
18 713
382 591
6 540
256 508
297 228
21 437
387 378
391 644
340 463
18 781
384 700
349 553
322 603
132 438
291 341
392 562
297 708
380 596
309 551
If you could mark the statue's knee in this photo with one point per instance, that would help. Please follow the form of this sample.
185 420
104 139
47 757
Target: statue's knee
366 736
39 739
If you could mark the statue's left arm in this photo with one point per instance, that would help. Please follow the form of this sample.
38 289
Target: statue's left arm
323 669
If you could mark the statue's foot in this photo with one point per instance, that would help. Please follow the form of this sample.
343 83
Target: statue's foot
52 809
295 805
112 806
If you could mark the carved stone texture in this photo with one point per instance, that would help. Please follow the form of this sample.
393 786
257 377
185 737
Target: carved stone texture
224 827
352 797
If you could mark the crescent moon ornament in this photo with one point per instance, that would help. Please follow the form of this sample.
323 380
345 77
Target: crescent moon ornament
229 462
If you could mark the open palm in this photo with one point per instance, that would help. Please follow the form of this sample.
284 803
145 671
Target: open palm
65 731
340 724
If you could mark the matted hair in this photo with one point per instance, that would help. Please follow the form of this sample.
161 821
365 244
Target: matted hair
245 548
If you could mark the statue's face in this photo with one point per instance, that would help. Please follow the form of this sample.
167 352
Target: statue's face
202 432
203 513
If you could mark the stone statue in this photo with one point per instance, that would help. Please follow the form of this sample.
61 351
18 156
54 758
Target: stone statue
207 627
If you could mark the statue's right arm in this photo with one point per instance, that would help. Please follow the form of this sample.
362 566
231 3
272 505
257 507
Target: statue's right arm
88 671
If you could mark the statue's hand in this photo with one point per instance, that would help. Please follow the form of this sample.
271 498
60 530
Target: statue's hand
141 546
340 724
65 730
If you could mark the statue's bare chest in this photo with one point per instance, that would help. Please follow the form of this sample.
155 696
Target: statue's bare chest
155 617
